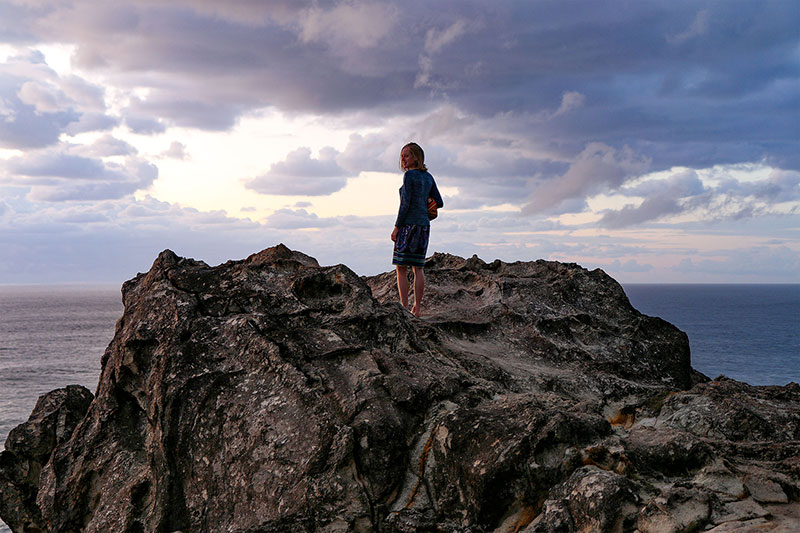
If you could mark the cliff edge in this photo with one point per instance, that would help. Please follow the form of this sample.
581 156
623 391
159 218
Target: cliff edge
275 395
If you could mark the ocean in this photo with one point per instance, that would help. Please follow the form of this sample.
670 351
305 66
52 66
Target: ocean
750 333
53 336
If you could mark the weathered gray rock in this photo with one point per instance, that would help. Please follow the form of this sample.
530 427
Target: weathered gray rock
550 312
729 410
678 509
28 448
591 499
764 490
273 395
718 478
667 452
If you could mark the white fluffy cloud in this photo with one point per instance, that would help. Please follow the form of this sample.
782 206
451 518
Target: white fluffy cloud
56 176
105 146
37 104
302 175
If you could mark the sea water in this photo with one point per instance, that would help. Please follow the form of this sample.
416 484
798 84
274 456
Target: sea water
53 336
749 333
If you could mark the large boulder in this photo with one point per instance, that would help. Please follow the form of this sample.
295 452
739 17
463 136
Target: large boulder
273 394
28 449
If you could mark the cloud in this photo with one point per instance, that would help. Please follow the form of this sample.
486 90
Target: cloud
537 105
435 41
780 186
630 265
661 198
697 28
599 168
112 240
56 176
245 12
89 122
153 114
44 98
105 146
88 96
37 105
678 86
144 125
348 24
300 174
650 209
297 219
765 262
570 101
376 152
52 164
685 193
176 150
22 125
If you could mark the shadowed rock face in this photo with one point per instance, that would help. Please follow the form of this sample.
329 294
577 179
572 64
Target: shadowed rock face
272 394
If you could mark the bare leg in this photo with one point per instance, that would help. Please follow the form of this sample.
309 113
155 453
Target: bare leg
402 284
419 290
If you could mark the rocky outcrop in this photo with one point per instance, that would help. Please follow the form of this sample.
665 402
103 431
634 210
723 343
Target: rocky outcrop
28 449
273 394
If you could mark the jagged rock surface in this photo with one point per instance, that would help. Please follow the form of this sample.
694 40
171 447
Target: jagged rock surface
28 449
272 394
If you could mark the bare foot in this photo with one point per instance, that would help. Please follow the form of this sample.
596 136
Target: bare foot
416 311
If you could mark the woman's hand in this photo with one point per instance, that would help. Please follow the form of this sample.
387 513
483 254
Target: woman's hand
394 234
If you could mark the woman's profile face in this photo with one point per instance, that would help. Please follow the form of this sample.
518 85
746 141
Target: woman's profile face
407 159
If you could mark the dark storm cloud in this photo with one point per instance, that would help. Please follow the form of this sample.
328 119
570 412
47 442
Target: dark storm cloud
212 62
723 82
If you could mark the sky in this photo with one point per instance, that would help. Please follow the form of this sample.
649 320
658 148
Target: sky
658 141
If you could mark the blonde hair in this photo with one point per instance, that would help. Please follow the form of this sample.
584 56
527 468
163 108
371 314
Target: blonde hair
419 155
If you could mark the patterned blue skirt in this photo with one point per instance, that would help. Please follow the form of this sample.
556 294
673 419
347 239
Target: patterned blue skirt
411 245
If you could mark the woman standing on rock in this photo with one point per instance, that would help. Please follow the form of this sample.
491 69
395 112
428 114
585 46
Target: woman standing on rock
412 227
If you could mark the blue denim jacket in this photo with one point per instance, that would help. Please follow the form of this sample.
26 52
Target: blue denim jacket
417 186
